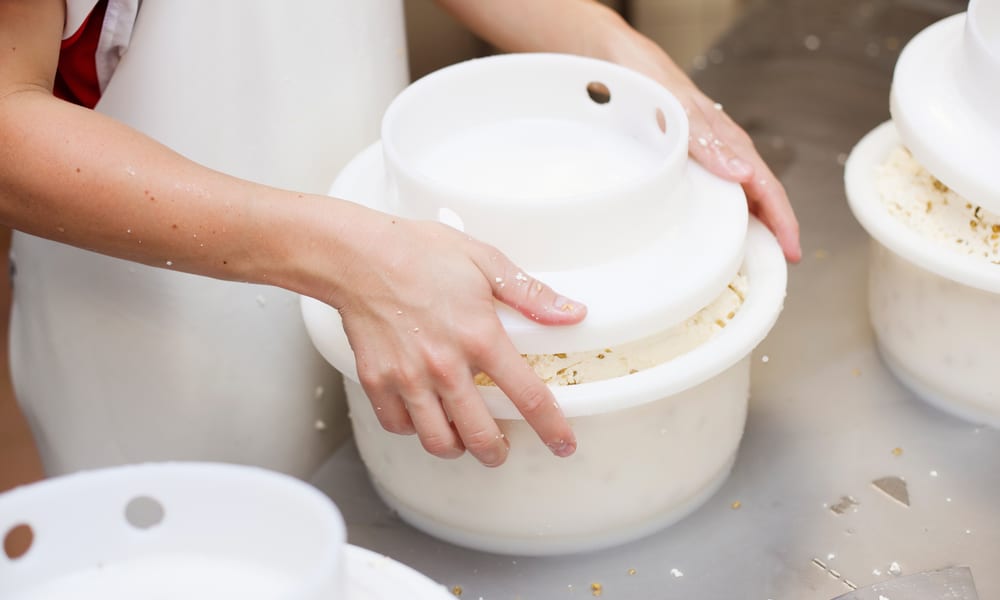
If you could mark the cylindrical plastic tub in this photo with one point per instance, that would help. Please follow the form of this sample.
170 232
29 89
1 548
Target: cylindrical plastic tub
578 169
936 335
637 470
653 445
933 311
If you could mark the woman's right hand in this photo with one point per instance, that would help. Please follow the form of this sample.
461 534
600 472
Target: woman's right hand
417 303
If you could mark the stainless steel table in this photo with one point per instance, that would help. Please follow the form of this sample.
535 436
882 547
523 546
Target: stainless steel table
800 517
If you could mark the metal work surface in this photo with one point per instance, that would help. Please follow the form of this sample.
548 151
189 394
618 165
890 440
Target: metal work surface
835 448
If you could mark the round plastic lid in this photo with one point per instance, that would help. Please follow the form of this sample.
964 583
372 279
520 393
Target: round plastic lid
944 98
627 298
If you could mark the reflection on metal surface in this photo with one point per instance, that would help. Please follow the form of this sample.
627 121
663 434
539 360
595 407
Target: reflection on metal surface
834 573
895 488
953 583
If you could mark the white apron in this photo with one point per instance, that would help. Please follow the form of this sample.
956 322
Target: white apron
115 362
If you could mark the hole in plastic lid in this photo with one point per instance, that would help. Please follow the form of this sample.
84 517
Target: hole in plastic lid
144 512
598 92
18 541
661 120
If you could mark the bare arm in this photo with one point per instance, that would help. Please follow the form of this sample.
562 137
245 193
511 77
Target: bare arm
75 176
588 28
19 460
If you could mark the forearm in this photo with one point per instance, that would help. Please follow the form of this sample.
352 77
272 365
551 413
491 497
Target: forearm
582 27
75 176
19 462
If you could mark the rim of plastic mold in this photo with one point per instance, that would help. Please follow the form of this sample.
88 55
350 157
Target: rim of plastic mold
766 273
861 180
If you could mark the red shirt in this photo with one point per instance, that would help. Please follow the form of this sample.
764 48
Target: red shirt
76 77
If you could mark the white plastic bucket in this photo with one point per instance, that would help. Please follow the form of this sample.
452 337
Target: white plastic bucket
520 152
931 308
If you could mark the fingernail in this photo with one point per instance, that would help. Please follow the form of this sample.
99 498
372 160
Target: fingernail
562 448
567 306
496 456
739 167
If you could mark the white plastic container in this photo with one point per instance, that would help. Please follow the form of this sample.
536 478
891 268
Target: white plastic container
933 309
188 531
646 242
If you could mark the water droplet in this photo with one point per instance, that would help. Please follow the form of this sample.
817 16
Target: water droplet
676 573
128 231
831 556
765 358
170 263
61 229
320 425
895 569
261 300
811 42
702 142
717 106
130 171
876 572
933 473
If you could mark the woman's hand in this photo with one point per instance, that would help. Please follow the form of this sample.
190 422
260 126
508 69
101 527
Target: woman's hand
421 320
722 147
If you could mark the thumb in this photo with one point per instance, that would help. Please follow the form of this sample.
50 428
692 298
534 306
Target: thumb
534 299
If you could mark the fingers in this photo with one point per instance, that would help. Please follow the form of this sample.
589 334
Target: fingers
531 297
418 341
475 425
711 147
722 147
769 202
532 397
436 434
